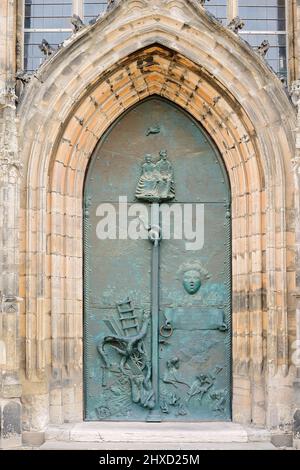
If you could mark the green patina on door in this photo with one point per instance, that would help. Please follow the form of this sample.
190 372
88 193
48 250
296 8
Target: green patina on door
157 307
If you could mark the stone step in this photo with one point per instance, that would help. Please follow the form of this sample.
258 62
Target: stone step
61 445
160 433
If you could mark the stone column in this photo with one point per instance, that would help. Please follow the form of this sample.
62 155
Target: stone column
295 95
296 354
10 387
296 19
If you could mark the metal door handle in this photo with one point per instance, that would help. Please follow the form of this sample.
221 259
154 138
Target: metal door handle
166 330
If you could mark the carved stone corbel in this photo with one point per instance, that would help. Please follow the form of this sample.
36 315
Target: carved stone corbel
295 92
77 23
295 97
112 4
263 48
9 303
236 24
10 164
23 76
296 165
8 98
22 79
46 48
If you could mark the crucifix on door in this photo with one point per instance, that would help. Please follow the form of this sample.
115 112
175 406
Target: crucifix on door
155 185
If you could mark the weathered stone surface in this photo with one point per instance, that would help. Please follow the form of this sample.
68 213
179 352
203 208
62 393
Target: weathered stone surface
31 438
149 432
296 425
163 435
10 424
56 445
35 421
10 172
282 440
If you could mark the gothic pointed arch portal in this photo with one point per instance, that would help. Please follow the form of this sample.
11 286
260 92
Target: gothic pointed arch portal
174 50
157 331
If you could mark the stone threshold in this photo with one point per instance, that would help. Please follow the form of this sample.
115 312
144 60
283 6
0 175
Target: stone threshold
171 432
166 446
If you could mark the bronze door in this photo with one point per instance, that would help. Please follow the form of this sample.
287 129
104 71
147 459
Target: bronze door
157 274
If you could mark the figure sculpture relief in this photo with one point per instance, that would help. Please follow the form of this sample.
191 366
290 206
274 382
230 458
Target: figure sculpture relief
156 182
193 276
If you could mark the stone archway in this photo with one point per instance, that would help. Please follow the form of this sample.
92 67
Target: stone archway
65 110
